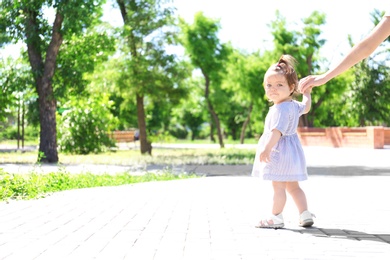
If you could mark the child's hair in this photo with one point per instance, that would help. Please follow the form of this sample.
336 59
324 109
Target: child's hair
286 66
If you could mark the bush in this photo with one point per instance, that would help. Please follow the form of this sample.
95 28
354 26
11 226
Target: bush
84 127
9 133
178 131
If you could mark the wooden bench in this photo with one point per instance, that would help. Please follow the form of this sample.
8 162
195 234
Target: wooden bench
123 136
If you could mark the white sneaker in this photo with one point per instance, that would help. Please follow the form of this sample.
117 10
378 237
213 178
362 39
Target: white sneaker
272 222
306 219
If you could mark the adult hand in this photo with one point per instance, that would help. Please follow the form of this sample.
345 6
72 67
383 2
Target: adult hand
310 81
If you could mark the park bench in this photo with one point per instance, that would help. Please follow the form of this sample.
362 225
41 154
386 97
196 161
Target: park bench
124 136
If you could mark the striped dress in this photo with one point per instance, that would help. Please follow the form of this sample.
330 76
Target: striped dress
287 161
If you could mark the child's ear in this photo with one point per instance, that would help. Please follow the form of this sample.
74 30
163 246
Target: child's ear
292 88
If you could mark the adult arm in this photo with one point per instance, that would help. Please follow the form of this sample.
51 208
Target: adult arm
360 51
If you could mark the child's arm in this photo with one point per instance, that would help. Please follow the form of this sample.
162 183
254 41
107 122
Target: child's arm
274 138
306 99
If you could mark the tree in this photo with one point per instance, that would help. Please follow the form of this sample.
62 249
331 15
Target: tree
244 81
16 94
311 42
370 90
80 56
330 104
148 72
190 114
85 117
371 93
15 82
29 21
304 45
358 96
209 55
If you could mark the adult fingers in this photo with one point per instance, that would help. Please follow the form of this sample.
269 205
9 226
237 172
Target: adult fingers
304 84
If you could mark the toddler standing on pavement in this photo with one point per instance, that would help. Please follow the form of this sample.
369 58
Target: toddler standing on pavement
279 156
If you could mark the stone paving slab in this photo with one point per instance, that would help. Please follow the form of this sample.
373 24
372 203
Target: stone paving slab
203 218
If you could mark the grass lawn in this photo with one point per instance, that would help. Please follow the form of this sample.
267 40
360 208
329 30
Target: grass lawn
133 157
36 185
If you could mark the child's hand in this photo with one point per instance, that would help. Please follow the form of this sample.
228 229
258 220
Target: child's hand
265 156
308 90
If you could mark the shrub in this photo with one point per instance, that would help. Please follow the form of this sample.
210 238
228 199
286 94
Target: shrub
83 128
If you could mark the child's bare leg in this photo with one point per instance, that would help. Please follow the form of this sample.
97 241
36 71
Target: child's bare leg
277 207
298 195
279 197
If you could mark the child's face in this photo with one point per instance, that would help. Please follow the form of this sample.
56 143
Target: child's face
277 88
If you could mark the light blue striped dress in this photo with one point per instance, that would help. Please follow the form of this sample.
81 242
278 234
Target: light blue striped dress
288 161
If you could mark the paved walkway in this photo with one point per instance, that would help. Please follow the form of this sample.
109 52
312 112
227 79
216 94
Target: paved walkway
211 217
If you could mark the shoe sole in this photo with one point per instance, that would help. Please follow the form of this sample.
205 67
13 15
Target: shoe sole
274 226
307 223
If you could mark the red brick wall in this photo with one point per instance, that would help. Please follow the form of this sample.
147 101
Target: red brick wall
368 137
387 135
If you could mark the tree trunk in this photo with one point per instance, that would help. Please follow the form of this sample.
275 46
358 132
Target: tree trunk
19 123
214 115
43 71
212 139
217 123
47 119
23 112
145 146
303 122
245 124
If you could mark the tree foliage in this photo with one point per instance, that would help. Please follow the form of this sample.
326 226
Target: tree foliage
80 55
16 85
210 56
371 93
304 45
43 25
358 96
244 82
148 72
146 85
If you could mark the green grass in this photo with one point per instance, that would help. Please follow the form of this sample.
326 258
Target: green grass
33 185
208 141
133 157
